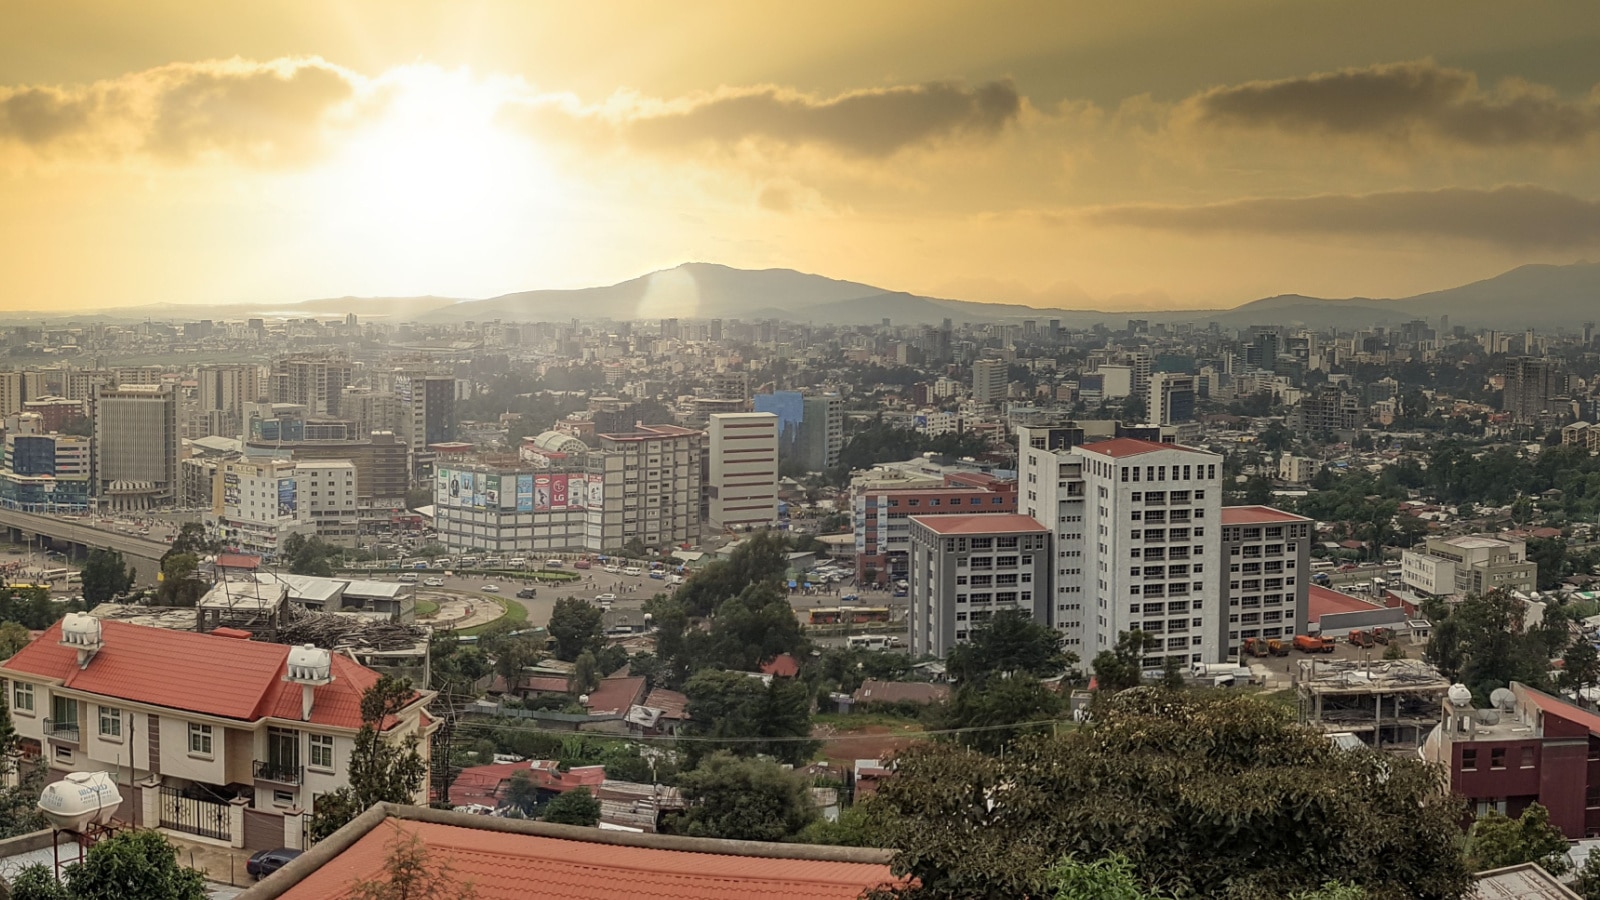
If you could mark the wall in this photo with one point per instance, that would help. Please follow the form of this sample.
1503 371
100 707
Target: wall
178 763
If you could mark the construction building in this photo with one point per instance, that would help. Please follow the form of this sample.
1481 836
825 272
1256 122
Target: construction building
1385 703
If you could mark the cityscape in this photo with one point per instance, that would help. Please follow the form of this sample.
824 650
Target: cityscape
573 471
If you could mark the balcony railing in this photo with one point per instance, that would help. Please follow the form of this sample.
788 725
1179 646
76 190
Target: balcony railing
267 770
62 731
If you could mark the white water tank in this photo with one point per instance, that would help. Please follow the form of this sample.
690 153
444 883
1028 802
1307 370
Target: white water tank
1459 695
80 630
79 799
310 664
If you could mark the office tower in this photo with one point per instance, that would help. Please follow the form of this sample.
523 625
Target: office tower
989 381
967 567
715 331
729 386
223 391
427 401
822 432
742 470
1268 576
1530 383
1171 399
1142 365
135 446
790 408
317 383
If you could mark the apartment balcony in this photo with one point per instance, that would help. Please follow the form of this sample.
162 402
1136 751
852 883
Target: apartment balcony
280 773
66 732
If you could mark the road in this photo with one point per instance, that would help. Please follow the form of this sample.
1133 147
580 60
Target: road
144 553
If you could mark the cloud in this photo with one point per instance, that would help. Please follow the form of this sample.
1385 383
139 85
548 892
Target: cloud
1404 101
875 123
1518 216
270 113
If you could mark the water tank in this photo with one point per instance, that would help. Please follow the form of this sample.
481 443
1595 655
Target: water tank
80 630
79 799
310 663
1459 695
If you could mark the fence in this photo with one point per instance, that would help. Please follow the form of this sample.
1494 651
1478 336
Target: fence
192 815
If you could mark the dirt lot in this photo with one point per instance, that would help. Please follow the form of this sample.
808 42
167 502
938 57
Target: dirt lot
842 746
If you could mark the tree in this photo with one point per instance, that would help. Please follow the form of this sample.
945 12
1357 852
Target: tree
105 577
132 865
584 676
730 704
382 770
742 799
761 557
521 793
1122 666
575 807
13 637
989 706
1481 643
575 625
21 780
1210 794
1009 642
1496 840
192 539
1580 666
410 872
179 586
309 556
1112 878
1587 881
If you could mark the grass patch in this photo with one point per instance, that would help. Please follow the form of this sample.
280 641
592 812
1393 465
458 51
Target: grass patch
854 721
511 611
427 607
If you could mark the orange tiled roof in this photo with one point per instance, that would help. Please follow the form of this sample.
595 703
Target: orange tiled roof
201 673
506 866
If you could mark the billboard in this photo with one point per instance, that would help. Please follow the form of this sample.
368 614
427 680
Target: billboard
577 492
558 491
596 491
230 488
541 493
288 498
441 487
491 491
524 493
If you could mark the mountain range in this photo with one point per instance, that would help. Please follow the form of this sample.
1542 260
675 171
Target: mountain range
1537 296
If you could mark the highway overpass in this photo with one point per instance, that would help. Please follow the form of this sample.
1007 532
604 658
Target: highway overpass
76 538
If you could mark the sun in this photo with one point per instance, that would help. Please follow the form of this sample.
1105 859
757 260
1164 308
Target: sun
435 169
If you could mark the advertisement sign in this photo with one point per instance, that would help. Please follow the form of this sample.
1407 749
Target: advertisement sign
441 486
577 492
596 491
524 493
541 493
491 491
230 489
288 499
558 492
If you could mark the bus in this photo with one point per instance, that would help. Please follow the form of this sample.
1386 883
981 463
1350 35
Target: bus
55 574
867 642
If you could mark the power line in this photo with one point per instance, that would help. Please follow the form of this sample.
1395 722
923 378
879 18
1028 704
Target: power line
710 739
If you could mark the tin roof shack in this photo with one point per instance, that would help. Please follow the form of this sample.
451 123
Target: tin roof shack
1387 703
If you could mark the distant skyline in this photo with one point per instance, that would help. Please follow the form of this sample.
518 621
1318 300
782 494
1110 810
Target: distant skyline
1133 156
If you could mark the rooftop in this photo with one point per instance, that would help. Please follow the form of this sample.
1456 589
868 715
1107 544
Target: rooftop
1252 515
1321 601
980 523
504 858
1121 448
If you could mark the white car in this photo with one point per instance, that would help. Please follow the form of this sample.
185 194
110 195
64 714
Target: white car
552 564
491 588
434 582
605 599
633 570
613 570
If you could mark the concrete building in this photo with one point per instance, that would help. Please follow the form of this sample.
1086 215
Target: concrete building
742 470
966 568
1469 564
135 446
989 381
12 393
1268 577
315 382
221 393
652 481
1383 703
882 514
1170 399
45 472
1052 490
1297 469
256 506
1116 382
822 432
427 401
1530 384
381 460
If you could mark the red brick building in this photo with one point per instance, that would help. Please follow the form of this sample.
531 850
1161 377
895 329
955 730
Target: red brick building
883 536
1533 747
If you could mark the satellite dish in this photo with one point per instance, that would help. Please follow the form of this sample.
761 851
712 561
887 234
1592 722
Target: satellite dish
1503 698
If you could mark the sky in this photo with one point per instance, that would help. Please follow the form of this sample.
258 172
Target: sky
1136 155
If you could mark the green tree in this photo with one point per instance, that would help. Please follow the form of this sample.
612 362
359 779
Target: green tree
21 780
13 637
179 586
521 793
742 799
1586 882
193 540
382 770
1580 666
988 707
1496 840
29 607
760 558
1112 878
575 625
730 704
1009 642
1211 794
37 882
1122 666
584 676
575 807
105 577
132 865
411 872
1481 643
853 828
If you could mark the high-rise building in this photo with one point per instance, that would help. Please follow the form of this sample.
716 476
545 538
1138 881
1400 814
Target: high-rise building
966 568
989 380
1531 382
790 408
1170 399
650 487
223 391
315 382
12 393
427 406
1268 577
135 446
742 470
822 432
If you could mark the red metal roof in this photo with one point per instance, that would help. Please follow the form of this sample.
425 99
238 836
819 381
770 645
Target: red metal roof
1257 515
201 673
238 561
1555 706
783 666
615 695
1321 601
505 866
1119 448
979 523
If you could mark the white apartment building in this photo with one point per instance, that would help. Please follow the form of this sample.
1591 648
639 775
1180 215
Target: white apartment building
182 721
742 470
964 568
260 502
989 381
1469 564
1268 578
1051 490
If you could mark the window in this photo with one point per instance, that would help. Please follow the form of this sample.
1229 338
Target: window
322 751
110 722
1527 757
199 739
23 698
1497 758
283 798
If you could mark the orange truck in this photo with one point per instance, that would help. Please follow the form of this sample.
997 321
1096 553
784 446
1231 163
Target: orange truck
1361 638
1310 643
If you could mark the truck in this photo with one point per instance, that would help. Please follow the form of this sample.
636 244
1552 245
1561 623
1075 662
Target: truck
1310 643
1277 647
1256 647
1362 639
1382 635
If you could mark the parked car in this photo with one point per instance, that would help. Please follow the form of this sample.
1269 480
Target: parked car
265 862
605 599
633 570
527 593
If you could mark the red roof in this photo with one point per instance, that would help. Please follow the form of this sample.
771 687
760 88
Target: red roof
1557 707
509 866
615 695
1257 515
1321 601
979 523
1119 448
201 673
783 666
238 561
